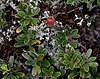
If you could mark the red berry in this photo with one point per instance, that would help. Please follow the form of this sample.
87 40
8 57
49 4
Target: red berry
50 21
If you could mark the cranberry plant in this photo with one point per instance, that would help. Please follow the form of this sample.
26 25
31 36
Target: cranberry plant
68 61
11 69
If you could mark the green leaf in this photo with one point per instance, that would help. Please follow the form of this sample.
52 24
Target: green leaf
13 77
51 70
66 32
93 64
19 29
71 66
74 57
45 71
72 75
26 22
67 27
73 33
11 61
25 30
34 21
34 71
25 1
45 63
73 44
88 53
98 2
65 42
30 63
26 41
33 4
91 59
21 14
26 56
60 41
36 11
36 42
87 75
40 57
18 45
60 34
18 16
4 67
86 67
70 1
57 74
93 71
82 73
63 71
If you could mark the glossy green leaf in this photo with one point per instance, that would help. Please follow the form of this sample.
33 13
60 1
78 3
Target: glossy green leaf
66 32
70 1
73 33
87 75
4 67
34 71
60 34
32 49
63 72
45 71
82 73
60 41
51 70
21 13
67 27
71 66
73 44
30 63
88 53
26 41
57 74
91 59
72 75
18 45
11 61
26 56
93 71
19 29
25 1
65 42
86 67
13 77
26 22
36 11
98 2
33 4
34 21
45 63
25 30
40 57
93 64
